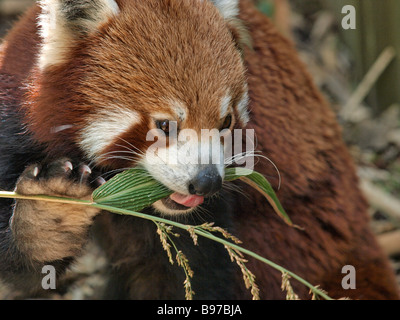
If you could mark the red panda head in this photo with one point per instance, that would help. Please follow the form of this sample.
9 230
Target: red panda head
111 71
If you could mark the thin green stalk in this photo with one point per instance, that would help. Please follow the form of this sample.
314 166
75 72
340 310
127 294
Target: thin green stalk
13 195
202 233
266 261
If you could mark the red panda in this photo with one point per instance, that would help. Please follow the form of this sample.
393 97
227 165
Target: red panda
82 84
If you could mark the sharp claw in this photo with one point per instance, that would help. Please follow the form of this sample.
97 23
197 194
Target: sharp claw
35 172
68 166
85 170
101 181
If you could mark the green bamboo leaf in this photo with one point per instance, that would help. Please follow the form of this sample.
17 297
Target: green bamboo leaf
135 189
258 182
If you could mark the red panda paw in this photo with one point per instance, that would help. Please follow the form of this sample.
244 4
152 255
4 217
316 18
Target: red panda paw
59 178
48 231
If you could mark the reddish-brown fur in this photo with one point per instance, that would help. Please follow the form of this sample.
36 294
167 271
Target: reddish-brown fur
298 131
295 128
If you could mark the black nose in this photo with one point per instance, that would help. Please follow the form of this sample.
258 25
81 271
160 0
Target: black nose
207 182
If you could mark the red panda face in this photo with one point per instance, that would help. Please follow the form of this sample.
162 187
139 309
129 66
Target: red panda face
151 65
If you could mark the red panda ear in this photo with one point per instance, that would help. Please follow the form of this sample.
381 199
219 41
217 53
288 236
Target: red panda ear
228 8
240 34
63 21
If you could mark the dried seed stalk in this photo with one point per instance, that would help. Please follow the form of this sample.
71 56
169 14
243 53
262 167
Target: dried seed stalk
316 291
193 235
226 234
235 255
164 233
286 286
248 277
184 263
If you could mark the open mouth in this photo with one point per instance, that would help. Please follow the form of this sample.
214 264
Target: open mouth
177 201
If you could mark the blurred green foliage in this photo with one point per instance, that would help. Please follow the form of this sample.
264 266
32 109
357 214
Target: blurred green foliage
266 7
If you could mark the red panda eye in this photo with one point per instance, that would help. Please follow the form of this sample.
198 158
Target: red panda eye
227 122
163 125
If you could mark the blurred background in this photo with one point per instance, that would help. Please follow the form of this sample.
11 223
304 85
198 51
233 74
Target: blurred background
358 70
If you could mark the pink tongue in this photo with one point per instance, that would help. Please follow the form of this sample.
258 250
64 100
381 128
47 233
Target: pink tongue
187 201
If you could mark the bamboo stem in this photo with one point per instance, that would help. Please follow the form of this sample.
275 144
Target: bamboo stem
372 76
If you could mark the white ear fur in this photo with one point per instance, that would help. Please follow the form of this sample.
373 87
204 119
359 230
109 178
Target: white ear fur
228 8
62 21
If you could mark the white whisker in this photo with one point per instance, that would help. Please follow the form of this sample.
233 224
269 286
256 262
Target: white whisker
131 145
256 154
234 188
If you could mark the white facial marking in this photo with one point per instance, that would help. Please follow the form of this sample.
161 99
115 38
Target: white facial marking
105 128
179 163
181 112
242 108
225 105
178 108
